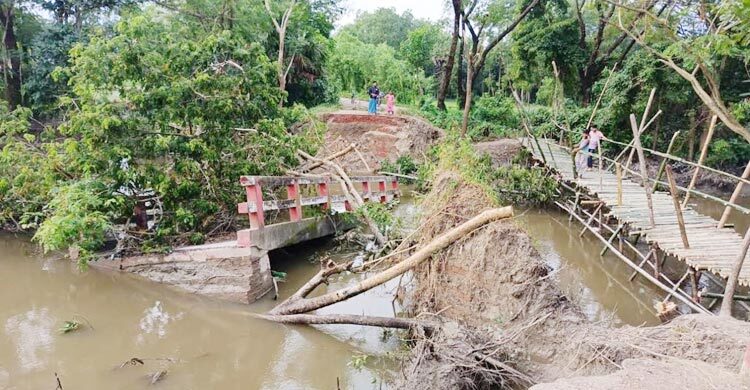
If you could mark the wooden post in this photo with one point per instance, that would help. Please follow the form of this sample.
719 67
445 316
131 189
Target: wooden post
551 155
694 284
704 151
658 262
381 188
292 191
323 191
619 183
255 196
644 171
726 304
733 199
601 179
366 195
664 160
677 208
575 205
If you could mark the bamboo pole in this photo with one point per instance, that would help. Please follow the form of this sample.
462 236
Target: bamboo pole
673 158
641 131
611 238
526 126
664 159
642 263
644 171
601 95
676 286
601 179
619 183
677 208
648 108
745 298
733 199
630 263
726 304
704 151
591 218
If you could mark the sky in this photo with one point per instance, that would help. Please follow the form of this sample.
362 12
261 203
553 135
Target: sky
421 9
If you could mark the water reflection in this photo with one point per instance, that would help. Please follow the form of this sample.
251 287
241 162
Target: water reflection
31 332
203 344
155 320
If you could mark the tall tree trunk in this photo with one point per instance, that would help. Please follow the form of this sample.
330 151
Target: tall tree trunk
587 82
281 28
460 83
469 93
12 58
691 135
445 81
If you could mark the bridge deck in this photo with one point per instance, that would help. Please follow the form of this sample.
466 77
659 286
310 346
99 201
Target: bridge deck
711 249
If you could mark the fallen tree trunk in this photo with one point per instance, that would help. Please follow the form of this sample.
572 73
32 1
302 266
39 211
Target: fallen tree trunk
319 163
347 319
309 304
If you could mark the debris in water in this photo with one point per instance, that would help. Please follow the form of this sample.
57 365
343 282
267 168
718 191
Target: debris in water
358 261
281 276
132 362
157 376
666 310
69 326
59 384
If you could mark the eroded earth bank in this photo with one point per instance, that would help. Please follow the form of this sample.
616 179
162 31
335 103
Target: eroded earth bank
506 322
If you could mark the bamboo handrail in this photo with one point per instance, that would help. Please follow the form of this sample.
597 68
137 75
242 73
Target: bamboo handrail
674 158
739 208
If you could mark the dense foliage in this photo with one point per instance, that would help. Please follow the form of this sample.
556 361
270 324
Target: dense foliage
104 100
152 104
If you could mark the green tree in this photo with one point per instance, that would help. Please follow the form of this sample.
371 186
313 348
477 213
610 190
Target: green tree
384 25
355 64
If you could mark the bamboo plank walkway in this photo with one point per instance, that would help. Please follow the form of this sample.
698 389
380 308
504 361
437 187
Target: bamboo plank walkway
711 249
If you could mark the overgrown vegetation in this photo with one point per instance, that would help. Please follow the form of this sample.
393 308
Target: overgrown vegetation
106 101
156 102
519 184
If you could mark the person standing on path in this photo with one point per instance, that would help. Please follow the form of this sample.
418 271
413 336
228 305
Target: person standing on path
390 101
595 138
374 93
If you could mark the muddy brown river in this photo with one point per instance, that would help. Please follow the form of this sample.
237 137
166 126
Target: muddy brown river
205 344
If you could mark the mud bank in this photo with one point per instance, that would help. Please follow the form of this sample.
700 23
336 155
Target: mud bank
499 300
378 137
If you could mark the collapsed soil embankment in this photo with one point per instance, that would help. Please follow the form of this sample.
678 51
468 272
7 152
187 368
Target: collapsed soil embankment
494 286
378 138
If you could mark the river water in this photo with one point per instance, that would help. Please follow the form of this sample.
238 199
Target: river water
203 344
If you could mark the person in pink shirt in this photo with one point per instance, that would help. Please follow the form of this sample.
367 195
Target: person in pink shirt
595 138
390 100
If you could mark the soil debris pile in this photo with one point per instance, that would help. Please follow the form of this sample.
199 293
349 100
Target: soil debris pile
378 138
515 325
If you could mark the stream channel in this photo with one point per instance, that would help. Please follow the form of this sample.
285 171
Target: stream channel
205 344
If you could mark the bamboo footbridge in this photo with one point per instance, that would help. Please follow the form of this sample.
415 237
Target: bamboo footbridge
700 242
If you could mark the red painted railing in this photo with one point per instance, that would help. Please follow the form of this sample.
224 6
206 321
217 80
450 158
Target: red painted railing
256 207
